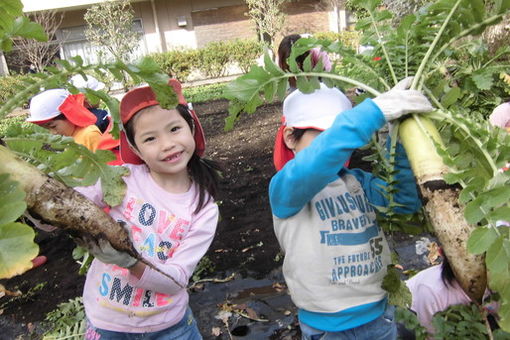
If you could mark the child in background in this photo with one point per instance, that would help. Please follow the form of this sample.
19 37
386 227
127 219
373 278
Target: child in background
434 289
500 117
324 214
65 114
285 48
171 216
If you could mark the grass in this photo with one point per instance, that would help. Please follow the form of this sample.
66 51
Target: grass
204 93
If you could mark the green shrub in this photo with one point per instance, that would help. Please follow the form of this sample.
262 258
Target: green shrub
348 38
12 122
245 52
178 63
214 58
10 85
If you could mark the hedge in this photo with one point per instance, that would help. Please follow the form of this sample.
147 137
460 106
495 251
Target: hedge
212 61
10 85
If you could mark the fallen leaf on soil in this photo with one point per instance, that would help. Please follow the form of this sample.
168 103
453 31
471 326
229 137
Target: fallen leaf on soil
251 313
216 331
4 292
223 315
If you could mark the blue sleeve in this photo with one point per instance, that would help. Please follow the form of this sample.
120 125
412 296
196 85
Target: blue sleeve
406 192
319 164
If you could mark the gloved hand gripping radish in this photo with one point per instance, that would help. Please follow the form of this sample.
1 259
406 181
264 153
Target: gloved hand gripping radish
400 101
102 250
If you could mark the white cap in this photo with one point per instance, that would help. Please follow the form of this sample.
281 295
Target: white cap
315 110
44 106
91 82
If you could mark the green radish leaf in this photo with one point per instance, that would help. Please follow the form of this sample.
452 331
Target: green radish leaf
451 97
504 315
17 249
282 88
71 163
481 239
269 91
473 211
25 28
497 257
500 214
12 200
270 66
496 197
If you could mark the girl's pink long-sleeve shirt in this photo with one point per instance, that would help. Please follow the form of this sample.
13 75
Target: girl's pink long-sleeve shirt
167 233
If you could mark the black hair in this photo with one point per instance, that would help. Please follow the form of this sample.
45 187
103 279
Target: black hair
60 117
204 172
297 133
447 275
284 50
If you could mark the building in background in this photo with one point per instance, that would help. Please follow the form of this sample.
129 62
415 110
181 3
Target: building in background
166 25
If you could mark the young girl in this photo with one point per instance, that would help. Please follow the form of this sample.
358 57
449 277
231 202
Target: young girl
324 215
171 217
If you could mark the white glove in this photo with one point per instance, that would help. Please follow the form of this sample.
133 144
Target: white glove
399 101
104 252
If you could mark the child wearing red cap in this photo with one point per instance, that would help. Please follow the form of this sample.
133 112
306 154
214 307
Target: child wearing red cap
285 49
324 213
64 114
171 217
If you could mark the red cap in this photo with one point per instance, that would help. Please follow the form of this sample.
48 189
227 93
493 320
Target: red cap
142 97
74 109
281 153
49 104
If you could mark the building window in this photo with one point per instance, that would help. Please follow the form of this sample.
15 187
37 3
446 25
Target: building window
74 42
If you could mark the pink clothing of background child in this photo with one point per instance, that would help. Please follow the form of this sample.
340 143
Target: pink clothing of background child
501 116
431 295
285 49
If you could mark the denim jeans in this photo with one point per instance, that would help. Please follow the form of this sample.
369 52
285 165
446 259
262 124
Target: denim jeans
382 328
186 329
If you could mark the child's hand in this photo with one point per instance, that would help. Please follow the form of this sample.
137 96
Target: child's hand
399 101
104 252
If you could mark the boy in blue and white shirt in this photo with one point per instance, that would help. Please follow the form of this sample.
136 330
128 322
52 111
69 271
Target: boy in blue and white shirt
324 216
